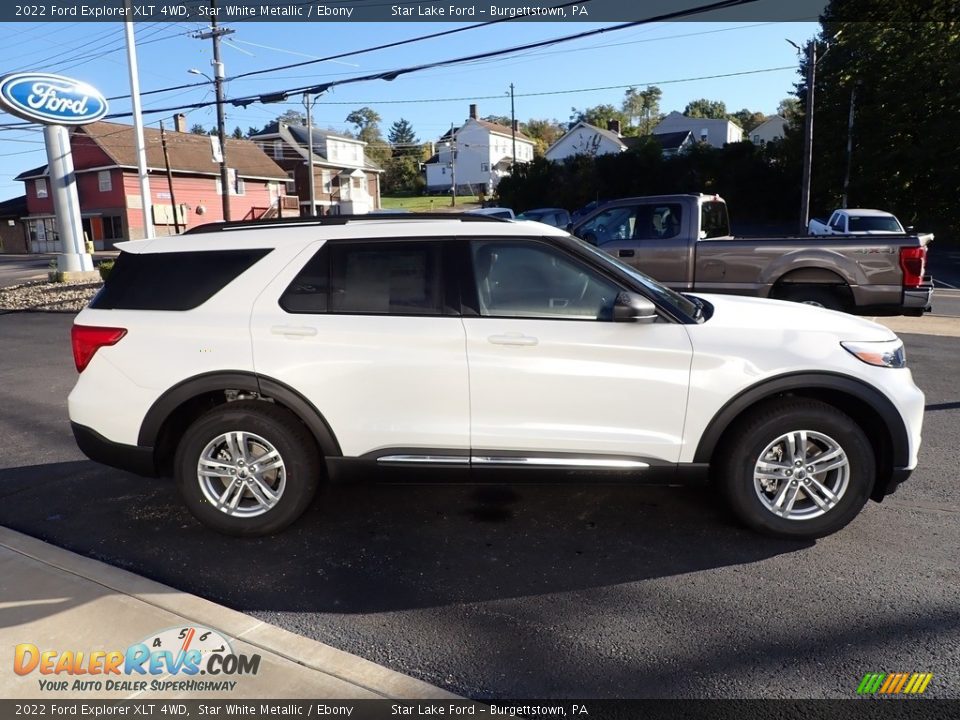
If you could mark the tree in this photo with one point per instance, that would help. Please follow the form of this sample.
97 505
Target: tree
198 129
403 176
747 119
238 133
403 139
289 117
598 115
544 133
498 120
367 122
703 108
907 96
642 108
789 108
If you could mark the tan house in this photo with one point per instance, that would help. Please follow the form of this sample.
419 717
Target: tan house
345 180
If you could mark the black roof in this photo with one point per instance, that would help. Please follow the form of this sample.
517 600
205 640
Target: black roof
14 207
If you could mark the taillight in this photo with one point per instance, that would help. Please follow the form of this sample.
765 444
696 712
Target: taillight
913 262
87 340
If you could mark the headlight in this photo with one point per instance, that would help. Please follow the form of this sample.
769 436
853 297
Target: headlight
886 353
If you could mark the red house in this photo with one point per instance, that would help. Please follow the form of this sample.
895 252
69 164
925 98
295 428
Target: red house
108 185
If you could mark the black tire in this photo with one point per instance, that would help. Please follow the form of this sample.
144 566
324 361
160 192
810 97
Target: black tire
830 297
746 441
301 473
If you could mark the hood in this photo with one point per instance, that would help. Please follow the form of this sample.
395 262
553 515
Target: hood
738 313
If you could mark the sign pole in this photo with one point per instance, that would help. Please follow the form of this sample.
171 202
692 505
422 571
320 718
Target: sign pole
74 256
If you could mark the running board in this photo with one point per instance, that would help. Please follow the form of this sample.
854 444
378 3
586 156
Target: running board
545 461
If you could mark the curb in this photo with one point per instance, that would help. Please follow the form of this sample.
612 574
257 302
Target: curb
270 639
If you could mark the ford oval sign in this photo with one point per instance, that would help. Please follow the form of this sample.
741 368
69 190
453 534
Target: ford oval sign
51 99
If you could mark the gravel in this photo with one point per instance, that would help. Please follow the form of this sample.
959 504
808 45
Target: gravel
44 295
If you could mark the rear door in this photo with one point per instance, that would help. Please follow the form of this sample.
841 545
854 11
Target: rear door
369 332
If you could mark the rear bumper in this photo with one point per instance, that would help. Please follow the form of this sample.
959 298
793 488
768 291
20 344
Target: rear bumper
138 460
918 300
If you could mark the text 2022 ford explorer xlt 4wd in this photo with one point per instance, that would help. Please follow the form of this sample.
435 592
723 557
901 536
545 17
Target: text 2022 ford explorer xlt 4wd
255 361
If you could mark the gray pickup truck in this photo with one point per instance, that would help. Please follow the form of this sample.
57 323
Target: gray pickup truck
684 241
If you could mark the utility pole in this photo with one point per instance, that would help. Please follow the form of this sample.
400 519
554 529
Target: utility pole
146 204
808 137
215 33
453 167
513 129
311 182
166 161
846 175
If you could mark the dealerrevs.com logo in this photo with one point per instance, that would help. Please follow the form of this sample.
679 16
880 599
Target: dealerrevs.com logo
190 659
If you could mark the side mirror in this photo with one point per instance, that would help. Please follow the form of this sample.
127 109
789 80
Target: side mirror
909 229
631 307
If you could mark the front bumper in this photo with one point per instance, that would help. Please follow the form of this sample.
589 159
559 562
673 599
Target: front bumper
138 460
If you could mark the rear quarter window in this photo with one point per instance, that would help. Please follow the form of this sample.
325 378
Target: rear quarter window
171 280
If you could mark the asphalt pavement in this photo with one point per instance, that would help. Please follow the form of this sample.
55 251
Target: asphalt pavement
529 591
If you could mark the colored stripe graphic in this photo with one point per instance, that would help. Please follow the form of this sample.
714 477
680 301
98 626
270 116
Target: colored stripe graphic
894 683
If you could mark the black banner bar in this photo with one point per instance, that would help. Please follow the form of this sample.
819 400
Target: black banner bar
859 709
470 11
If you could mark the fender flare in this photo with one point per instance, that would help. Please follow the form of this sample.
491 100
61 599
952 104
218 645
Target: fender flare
190 388
771 387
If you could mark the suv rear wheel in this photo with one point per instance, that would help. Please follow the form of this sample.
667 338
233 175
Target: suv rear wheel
797 469
247 468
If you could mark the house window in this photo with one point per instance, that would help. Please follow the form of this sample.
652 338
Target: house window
326 181
291 184
756 139
357 183
41 186
105 181
112 227
484 167
278 149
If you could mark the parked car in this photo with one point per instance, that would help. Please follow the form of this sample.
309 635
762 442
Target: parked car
684 241
497 212
857 221
297 351
557 217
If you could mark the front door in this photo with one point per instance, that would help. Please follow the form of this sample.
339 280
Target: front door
552 375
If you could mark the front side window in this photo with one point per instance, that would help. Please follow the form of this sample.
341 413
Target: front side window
516 278
370 278
609 226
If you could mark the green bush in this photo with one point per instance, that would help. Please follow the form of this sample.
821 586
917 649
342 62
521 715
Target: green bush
105 267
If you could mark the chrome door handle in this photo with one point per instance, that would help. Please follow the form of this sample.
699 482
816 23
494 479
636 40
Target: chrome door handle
513 339
294 330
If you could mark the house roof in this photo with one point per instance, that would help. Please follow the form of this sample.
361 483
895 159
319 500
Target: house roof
14 207
37 172
502 130
609 134
672 140
189 153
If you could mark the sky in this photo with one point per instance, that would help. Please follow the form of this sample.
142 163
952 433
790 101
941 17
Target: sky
548 82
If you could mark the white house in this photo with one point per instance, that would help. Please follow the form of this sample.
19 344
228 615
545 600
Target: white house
713 132
773 128
479 153
586 139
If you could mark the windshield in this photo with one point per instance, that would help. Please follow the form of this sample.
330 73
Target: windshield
657 292
874 223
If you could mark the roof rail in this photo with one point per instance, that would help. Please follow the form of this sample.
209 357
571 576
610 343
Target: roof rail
337 220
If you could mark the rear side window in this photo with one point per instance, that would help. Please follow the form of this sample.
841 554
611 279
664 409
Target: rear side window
171 280
370 278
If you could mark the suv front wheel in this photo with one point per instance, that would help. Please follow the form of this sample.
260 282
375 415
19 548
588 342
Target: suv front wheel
247 468
797 469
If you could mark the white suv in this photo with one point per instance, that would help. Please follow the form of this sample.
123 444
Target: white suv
255 361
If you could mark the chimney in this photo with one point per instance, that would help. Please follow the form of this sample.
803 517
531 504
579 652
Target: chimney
473 111
614 126
180 123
